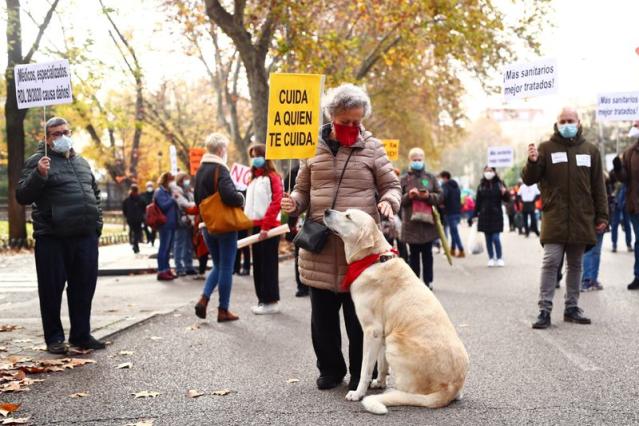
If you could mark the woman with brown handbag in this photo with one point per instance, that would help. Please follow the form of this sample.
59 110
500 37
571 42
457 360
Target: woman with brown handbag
213 177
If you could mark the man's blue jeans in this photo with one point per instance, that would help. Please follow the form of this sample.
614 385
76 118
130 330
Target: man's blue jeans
493 245
183 250
620 217
592 260
164 251
634 219
452 222
223 248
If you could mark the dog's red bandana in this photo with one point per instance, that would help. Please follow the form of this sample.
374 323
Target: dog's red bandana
356 268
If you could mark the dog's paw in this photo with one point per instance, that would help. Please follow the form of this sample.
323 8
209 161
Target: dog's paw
353 396
378 384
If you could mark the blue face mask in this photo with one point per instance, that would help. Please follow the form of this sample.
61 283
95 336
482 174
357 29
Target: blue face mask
258 162
568 130
417 165
62 145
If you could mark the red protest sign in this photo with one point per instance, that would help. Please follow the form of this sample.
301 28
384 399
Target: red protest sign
241 175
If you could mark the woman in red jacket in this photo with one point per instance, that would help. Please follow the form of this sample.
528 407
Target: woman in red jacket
263 205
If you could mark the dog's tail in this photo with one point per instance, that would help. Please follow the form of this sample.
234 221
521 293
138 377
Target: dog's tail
377 404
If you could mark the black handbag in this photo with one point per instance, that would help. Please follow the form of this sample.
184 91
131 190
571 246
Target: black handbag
313 235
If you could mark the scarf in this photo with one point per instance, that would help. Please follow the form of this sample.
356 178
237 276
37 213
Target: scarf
212 158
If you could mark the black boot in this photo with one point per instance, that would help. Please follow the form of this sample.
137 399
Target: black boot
574 314
634 285
328 382
543 320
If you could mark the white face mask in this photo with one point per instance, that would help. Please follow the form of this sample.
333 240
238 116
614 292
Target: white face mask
489 175
62 145
634 132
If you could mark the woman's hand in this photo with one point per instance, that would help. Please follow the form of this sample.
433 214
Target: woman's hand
263 235
288 204
385 209
413 193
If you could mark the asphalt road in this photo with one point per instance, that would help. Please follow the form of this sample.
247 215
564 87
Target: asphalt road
569 374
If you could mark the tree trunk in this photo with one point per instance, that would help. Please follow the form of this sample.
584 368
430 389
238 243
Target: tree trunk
139 121
14 121
258 88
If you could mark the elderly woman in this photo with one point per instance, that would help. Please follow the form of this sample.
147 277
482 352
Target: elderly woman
370 184
420 193
222 247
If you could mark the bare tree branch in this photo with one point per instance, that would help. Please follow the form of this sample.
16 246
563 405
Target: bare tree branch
41 30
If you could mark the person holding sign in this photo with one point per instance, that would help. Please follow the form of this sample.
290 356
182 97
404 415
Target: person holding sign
570 176
67 223
368 183
263 205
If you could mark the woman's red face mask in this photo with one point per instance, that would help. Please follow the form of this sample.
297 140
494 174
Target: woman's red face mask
346 135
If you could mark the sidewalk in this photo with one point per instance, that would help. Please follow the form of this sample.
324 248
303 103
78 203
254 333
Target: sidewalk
119 302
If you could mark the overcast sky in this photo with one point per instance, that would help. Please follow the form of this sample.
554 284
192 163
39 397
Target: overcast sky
594 43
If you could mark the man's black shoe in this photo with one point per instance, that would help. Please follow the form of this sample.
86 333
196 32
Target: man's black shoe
90 343
328 382
574 314
301 293
543 320
58 348
634 285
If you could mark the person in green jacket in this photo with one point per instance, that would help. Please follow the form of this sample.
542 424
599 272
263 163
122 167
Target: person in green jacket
569 173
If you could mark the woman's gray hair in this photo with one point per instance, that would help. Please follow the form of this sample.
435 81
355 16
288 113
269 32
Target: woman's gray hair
346 97
54 122
215 141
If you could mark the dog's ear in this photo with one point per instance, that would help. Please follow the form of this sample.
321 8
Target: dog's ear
366 238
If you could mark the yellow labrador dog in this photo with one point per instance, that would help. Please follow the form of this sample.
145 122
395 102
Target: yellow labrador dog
405 326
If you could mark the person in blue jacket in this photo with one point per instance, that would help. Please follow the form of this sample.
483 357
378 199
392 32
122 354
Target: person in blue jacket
164 199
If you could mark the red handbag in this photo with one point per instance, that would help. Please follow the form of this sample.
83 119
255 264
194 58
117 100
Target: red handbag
155 217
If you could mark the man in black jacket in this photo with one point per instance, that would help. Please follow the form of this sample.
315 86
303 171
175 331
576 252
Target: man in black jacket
452 212
67 223
133 208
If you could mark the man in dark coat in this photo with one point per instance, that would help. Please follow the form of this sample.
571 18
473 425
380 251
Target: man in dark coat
452 212
134 208
67 223
627 171
570 176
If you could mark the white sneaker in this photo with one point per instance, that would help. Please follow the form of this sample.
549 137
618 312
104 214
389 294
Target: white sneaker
491 263
500 263
266 309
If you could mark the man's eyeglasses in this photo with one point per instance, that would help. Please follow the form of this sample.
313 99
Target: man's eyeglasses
568 121
58 134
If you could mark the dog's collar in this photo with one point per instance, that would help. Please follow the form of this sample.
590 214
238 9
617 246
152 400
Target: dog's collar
356 268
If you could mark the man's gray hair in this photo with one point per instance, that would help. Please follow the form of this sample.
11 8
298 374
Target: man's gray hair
215 141
346 97
54 122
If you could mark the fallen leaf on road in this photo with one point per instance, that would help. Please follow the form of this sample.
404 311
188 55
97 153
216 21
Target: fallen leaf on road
145 422
16 421
79 395
177 315
41 348
221 392
124 365
292 381
108 343
34 370
7 408
8 327
14 386
3 348
126 352
192 393
145 394
111 310
155 338
78 361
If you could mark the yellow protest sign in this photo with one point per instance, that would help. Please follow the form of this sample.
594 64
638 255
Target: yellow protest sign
294 116
392 148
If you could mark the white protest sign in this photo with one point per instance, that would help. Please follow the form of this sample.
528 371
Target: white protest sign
526 80
501 156
240 175
620 106
47 83
173 160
